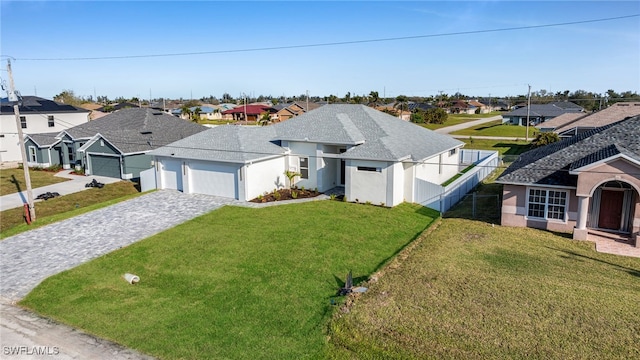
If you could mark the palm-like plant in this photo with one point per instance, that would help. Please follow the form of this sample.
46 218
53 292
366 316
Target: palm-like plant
186 111
265 119
374 97
196 114
401 103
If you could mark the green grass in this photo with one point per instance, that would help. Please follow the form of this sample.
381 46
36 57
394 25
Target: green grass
456 176
496 128
236 283
65 207
473 291
39 178
455 119
504 147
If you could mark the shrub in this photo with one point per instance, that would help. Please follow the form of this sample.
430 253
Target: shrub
276 195
294 194
332 196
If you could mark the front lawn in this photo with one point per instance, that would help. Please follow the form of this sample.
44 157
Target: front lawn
474 291
504 147
66 206
455 119
236 283
13 179
496 128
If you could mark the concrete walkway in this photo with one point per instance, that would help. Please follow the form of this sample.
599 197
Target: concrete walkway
76 183
449 129
23 335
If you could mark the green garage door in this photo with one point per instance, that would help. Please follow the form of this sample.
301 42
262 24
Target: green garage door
105 166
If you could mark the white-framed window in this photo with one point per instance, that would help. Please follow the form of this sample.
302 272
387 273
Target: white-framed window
23 122
32 154
304 167
547 204
50 121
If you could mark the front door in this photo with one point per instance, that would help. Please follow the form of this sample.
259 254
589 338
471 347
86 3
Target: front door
610 210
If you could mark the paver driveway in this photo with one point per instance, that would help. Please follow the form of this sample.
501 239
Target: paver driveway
28 258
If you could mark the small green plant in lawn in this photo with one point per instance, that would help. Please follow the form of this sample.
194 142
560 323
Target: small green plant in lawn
332 196
78 171
294 194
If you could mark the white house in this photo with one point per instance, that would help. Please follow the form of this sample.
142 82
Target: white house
37 116
376 157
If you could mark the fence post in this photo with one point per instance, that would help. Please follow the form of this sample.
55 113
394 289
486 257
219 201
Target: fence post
473 204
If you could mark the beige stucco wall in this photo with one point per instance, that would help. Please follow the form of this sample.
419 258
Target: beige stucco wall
514 210
617 170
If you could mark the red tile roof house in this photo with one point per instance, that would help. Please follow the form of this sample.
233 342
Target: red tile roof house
252 112
588 182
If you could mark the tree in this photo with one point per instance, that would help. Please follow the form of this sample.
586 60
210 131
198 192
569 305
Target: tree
401 103
186 111
265 119
196 114
374 97
545 138
274 102
435 116
68 97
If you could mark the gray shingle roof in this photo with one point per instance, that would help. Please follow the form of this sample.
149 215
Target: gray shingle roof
34 104
380 136
44 139
550 164
137 130
227 143
546 110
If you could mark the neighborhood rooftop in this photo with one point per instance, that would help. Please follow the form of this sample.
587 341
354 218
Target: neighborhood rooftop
137 129
550 164
379 136
34 104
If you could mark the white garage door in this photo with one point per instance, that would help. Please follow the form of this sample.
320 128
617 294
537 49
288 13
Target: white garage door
213 179
171 174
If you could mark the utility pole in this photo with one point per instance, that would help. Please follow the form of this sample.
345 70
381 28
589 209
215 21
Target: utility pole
528 110
13 97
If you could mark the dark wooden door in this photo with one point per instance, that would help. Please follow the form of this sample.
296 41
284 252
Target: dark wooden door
610 210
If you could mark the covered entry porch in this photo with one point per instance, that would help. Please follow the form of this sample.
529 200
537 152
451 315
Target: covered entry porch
609 202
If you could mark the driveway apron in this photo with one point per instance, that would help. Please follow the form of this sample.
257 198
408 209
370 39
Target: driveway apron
28 258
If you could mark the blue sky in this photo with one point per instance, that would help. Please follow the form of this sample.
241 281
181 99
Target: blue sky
594 56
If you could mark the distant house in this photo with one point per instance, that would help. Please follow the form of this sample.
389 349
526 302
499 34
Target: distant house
480 107
462 107
208 112
572 124
115 145
37 115
539 113
587 182
252 112
287 111
376 157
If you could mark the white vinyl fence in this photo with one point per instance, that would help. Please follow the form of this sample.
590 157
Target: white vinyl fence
442 198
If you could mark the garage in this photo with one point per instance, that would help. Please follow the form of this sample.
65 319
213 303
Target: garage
108 166
171 174
213 178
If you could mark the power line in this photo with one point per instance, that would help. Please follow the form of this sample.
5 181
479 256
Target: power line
336 43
